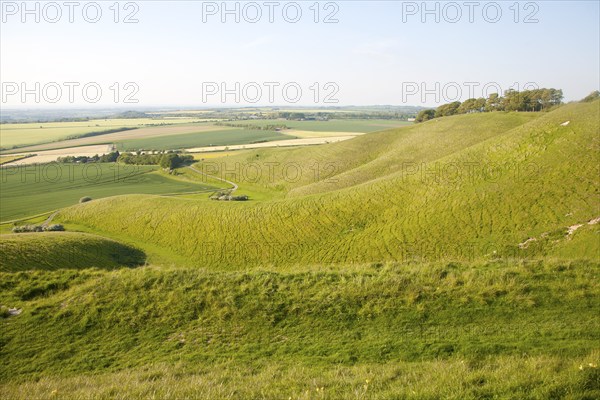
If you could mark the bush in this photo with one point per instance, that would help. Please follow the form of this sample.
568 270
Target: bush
226 196
85 199
38 228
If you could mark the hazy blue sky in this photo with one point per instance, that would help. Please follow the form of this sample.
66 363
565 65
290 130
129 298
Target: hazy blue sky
378 52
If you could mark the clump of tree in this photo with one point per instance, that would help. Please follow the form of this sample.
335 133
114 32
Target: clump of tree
227 196
513 100
105 158
425 115
267 127
292 115
595 95
38 228
168 160
447 109
85 199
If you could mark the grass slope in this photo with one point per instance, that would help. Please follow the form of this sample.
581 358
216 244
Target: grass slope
63 250
532 180
383 316
328 168
335 289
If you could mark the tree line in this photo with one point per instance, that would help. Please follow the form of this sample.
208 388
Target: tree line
513 100
167 160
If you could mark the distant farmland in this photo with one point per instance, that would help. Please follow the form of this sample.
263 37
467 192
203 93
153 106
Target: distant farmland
166 134
140 134
221 137
334 125
20 135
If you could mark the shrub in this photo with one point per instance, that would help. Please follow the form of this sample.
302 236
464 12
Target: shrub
85 199
38 228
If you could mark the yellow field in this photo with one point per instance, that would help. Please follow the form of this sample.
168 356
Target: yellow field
215 154
318 134
7 159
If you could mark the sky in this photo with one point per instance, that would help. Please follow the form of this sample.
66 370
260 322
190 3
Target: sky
195 54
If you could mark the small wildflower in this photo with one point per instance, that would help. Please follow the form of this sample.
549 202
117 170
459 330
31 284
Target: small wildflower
367 381
54 392
581 367
593 365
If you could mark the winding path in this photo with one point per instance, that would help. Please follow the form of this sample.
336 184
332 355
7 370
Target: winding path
233 184
49 219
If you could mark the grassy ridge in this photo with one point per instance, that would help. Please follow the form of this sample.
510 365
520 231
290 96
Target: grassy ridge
532 181
375 318
64 250
365 158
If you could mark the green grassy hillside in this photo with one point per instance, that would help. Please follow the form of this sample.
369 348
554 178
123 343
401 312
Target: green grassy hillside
459 259
369 157
510 329
64 250
481 200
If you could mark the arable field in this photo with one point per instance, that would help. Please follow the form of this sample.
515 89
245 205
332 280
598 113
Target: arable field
31 190
20 135
216 137
333 125
170 133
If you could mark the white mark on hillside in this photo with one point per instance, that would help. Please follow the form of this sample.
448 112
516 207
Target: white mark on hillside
573 228
526 243
570 231
565 123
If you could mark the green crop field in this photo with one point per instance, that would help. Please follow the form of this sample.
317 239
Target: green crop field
31 190
169 133
457 258
203 139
